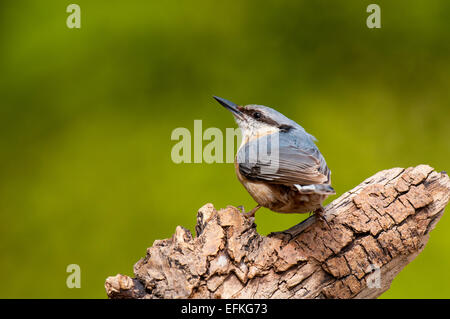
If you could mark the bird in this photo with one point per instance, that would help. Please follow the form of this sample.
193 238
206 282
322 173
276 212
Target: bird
294 177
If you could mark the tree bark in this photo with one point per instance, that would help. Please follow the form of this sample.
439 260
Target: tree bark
367 236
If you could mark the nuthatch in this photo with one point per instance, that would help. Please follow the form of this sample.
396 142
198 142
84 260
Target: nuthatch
296 178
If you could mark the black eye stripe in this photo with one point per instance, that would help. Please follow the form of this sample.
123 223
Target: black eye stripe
260 117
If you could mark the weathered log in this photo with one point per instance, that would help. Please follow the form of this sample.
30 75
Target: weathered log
368 236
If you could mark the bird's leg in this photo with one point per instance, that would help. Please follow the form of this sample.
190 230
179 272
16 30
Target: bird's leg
320 213
250 213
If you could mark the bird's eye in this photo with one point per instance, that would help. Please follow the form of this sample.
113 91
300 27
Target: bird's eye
256 115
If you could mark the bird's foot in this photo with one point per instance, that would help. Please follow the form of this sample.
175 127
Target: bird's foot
249 214
320 213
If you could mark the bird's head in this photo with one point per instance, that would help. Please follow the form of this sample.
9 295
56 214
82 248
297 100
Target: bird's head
256 120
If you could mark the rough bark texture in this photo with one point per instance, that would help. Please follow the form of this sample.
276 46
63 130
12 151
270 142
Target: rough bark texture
371 232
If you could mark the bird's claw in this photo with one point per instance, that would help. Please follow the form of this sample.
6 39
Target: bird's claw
250 214
320 213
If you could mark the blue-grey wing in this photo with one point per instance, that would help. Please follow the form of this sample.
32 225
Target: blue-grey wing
297 161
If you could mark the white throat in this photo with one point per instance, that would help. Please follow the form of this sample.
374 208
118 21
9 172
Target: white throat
254 130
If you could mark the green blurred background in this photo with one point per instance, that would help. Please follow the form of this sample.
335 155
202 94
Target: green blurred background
86 117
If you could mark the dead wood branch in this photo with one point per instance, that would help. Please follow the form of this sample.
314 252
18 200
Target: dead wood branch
377 228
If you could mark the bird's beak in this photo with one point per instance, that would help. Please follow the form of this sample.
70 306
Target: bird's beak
234 108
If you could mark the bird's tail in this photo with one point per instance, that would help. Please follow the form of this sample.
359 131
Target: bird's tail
323 189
